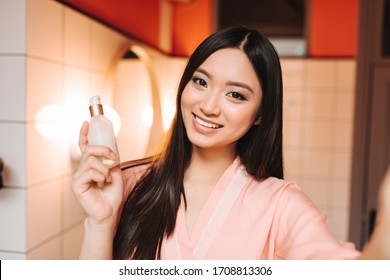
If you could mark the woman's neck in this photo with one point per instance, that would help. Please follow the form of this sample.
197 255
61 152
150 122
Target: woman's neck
204 161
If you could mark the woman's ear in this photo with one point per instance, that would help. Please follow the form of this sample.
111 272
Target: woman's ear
257 121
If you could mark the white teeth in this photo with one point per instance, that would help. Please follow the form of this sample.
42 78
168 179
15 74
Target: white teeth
206 124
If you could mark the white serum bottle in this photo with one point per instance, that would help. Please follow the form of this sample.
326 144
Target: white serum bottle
101 131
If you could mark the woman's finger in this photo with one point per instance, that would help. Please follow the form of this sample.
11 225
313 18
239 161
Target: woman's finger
95 163
98 151
84 181
83 137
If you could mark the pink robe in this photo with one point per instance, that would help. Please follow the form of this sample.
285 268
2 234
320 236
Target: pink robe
247 219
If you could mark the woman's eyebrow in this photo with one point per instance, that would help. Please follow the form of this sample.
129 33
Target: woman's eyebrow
239 84
201 70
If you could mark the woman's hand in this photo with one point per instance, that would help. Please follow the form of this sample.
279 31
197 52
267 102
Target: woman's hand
98 188
378 247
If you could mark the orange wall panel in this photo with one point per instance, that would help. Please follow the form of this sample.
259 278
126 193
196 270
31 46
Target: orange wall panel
135 17
191 23
333 28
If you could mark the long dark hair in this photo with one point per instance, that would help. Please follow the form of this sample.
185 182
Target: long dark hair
149 213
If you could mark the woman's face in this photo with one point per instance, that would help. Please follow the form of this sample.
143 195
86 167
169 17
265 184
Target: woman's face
221 101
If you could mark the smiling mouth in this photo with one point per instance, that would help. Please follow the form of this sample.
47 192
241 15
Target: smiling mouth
206 124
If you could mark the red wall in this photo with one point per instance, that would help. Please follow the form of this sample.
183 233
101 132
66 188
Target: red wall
135 17
333 28
191 24
333 24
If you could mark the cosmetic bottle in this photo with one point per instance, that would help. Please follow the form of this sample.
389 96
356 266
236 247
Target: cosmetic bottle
101 131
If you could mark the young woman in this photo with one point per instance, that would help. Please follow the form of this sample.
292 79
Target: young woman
216 190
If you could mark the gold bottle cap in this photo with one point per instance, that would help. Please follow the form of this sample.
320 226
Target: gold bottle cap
95 107
95 110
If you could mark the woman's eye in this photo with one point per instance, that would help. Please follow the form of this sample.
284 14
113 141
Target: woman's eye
200 82
236 95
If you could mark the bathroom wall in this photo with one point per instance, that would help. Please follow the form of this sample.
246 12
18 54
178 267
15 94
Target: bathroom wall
52 59
318 128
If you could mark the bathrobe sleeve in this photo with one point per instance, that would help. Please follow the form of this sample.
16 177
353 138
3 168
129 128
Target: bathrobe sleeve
303 232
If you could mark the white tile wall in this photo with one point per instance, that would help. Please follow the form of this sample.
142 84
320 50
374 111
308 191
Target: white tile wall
44 157
316 163
45 29
52 57
13 87
339 194
97 85
319 104
345 74
343 136
12 256
77 38
318 129
293 136
320 74
294 101
13 153
13 26
292 164
12 129
75 85
317 134
44 212
44 87
105 46
72 242
338 222
72 212
293 71
13 221
341 167
318 190
51 250
344 106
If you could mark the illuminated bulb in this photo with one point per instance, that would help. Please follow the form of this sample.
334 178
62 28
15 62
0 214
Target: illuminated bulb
49 122
55 123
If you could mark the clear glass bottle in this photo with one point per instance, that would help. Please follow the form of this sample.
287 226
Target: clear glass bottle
101 131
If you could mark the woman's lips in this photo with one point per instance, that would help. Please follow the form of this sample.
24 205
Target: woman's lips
206 124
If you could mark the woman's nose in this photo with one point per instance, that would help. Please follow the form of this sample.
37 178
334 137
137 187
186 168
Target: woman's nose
210 105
